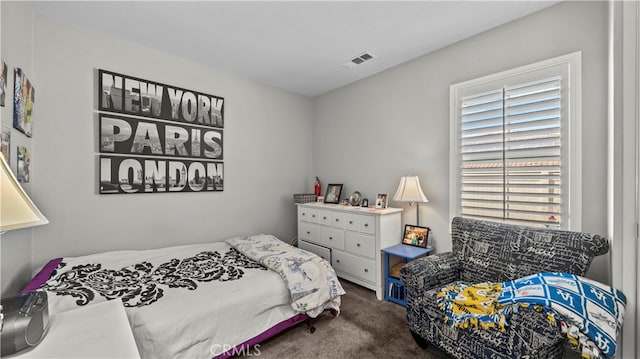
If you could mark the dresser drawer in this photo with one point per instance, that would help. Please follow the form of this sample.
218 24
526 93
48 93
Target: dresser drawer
337 220
355 266
332 237
307 215
360 223
322 252
324 217
313 214
360 244
309 232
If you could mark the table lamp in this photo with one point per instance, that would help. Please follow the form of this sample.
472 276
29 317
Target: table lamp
409 191
16 208
24 318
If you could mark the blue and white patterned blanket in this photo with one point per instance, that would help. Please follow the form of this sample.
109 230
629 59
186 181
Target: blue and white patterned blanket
313 283
595 309
589 313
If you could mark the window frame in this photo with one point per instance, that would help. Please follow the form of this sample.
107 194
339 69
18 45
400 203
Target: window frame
571 140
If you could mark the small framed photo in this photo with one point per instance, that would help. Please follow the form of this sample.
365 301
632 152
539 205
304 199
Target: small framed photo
365 202
381 200
320 199
333 193
416 236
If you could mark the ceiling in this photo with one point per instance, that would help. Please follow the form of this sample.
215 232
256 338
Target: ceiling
299 46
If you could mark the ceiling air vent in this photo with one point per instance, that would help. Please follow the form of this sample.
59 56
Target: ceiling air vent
357 61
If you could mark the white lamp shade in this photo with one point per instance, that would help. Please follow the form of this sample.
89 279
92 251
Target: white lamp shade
16 208
409 190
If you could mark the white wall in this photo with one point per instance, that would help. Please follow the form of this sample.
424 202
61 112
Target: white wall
369 134
267 152
16 50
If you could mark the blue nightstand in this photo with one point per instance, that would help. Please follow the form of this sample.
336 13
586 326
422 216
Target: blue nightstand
394 288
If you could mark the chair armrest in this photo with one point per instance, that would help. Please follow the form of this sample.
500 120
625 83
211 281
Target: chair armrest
427 272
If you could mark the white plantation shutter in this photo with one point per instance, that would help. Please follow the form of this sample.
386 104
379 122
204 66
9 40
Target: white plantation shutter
511 138
482 140
532 154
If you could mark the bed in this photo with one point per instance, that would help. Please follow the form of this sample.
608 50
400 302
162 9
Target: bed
202 300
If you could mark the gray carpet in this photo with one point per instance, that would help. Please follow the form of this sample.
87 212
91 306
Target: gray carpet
365 328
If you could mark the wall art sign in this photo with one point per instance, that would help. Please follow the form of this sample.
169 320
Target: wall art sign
173 144
23 101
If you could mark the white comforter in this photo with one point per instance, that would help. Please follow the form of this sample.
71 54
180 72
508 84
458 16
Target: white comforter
193 301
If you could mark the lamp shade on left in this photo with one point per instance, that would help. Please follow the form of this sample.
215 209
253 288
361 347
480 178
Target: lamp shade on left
16 208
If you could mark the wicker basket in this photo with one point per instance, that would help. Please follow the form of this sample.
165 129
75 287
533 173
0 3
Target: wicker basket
304 197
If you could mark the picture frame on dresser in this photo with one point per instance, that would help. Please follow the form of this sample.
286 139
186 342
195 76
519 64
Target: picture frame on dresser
355 199
382 200
333 193
416 235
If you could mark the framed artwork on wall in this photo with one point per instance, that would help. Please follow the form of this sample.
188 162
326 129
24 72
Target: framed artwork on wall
158 138
3 82
5 142
333 193
24 162
23 102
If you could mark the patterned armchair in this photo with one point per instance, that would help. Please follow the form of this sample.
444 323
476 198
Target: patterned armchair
487 251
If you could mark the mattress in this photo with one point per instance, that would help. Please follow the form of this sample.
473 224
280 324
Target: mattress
195 301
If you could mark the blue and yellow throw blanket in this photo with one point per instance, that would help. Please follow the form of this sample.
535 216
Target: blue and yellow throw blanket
588 312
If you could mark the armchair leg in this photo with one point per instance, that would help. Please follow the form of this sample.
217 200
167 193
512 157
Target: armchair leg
419 340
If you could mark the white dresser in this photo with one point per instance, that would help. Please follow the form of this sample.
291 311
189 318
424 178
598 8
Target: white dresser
351 239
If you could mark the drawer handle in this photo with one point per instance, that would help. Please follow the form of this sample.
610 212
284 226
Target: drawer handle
324 217
308 232
337 220
350 222
366 224
330 238
313 215
337 261
358 245
304 214
366 270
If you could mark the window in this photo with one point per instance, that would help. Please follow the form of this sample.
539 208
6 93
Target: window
515 145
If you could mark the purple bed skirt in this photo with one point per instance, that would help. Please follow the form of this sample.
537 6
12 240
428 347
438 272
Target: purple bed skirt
43 276
245 347
45 273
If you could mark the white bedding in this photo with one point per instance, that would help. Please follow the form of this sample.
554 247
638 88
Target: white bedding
311 280
184 301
